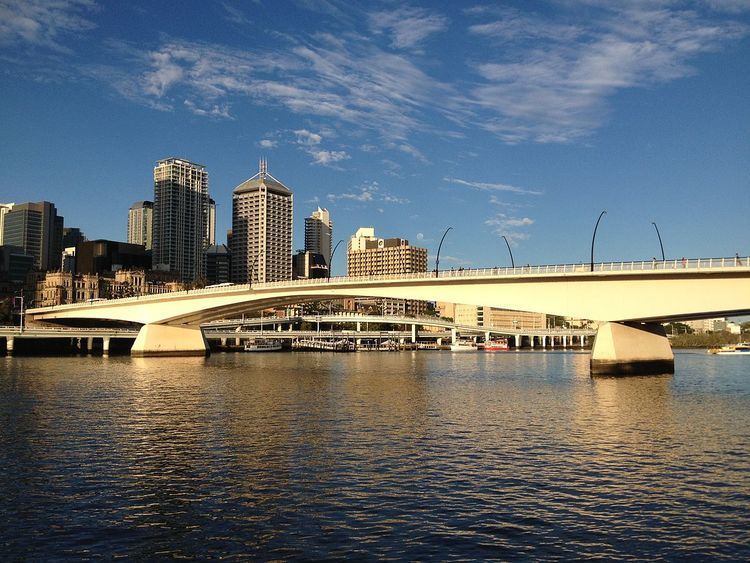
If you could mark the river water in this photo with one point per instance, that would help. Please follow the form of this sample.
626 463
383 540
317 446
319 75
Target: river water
405 455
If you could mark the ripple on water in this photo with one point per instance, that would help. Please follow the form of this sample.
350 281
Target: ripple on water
404 455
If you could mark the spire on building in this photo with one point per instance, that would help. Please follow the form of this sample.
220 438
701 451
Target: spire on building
263 167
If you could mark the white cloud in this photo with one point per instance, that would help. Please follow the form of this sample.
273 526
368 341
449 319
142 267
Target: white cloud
305 137
504 225
215 110
487 186
408 26
268 144
413 151
369 192
550 81
327 158
42 23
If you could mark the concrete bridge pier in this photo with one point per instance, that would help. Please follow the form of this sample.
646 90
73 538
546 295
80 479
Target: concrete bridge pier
454 335
105 345
167 340
89 344
9 344
631 349
414 333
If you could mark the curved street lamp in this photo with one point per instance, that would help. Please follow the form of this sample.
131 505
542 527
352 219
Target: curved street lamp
330 266
437 258
512 262
660 244
593 238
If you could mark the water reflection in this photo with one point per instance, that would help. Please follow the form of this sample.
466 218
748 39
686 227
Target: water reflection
401 455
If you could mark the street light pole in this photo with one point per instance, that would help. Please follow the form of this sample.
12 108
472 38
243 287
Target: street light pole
593 238
660 244
512 262
20 322
330 266
437 258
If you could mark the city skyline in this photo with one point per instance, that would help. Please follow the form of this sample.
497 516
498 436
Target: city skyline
409 118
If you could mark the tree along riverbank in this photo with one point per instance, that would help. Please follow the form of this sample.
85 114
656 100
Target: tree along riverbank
706 340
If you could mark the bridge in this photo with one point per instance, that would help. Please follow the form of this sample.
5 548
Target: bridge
628 299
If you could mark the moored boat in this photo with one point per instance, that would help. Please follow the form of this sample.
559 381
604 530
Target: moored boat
463 346
262 345
496 345
741 349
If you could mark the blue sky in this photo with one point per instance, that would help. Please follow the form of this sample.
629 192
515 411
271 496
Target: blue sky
517 118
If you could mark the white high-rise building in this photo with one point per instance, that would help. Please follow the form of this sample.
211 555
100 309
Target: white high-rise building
4 208
261 243
141 223
319 234
180 217
211 232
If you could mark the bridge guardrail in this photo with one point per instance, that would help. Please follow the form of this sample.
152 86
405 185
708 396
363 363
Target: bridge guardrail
683 264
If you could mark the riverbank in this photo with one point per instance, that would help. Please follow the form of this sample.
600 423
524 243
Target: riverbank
705 340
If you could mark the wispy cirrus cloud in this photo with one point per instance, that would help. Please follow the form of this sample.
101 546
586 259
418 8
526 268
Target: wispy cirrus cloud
44 23
408 26
510 227
368 192
490 186
550 81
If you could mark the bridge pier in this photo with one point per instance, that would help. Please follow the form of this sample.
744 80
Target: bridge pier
105 345
631 349
9 344
166 340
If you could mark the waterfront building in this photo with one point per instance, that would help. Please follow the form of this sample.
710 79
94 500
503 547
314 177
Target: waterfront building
319 234
261 241
370 255
63 288
308 265
218 264
132 283
180 217
141 224
72 236
4 208
493 317
103 256
37 229
708 325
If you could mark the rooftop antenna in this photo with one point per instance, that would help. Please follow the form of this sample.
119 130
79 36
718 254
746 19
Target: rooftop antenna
263 167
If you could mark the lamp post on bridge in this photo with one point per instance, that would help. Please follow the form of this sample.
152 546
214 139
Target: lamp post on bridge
437 258
660 244
330 266
593 238
512 262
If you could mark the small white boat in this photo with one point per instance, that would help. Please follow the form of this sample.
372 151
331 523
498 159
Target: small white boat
463 346
262 345
741 349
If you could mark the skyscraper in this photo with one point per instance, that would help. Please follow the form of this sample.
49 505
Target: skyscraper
180 221
4 208
141 224
38 229
319 234
261 244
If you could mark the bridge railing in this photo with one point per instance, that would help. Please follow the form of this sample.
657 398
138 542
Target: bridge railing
682 264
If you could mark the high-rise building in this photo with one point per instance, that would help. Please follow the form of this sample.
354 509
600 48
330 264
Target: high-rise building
180 221
319 234
218 264
369 255
211 225
4 208
37 229
72 236
261 229
141 224
498 318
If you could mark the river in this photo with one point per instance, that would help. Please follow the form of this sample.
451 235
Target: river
403 455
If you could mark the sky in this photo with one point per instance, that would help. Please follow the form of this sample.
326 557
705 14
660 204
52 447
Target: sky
524 119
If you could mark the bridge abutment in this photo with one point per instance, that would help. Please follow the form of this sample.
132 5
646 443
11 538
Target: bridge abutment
631 349
165 340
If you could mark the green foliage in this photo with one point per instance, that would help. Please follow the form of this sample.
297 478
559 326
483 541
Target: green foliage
704 340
